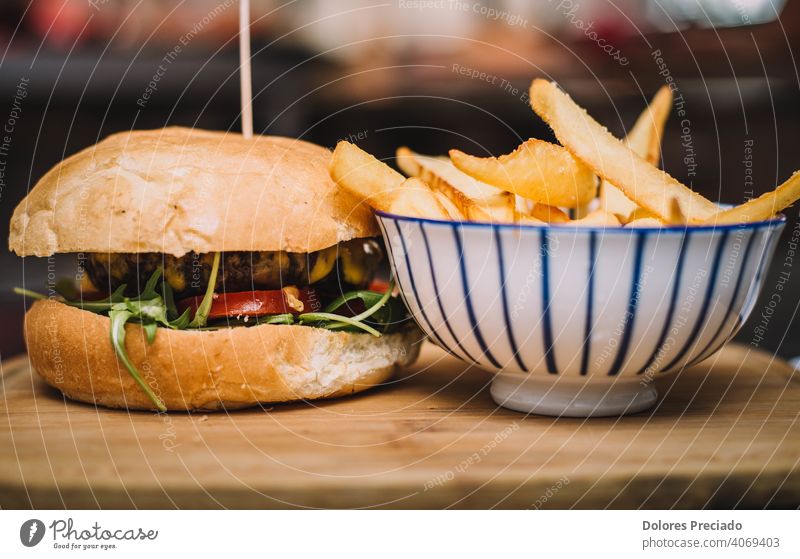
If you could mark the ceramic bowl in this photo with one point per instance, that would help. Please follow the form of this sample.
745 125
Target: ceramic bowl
578 321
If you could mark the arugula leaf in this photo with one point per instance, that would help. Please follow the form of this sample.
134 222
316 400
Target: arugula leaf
150 329
148 310
372 300
201 316
176 321
119 315
99 306
31 294
390 315
182 322
169 300
278 319
382 311
116 297
327 320
369 298
384 319
150 287
377 305
66 288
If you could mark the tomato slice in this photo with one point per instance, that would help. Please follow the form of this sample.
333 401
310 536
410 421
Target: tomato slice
253 303
378 286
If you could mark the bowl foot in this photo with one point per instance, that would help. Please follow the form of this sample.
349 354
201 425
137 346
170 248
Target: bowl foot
570 396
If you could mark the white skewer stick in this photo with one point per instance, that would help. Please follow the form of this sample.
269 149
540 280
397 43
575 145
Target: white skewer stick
245 74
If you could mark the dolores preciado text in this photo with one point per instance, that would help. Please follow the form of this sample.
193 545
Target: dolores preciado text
717 525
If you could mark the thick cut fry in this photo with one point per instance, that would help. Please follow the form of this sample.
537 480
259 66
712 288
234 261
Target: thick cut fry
370 180
528 211
381 187
476 200
523 205
644 139
414 198
549 214
646 222
528 219
447 204
436 170
676 214
763 207
590 142
502 212
641 213
645 136
597 218
614 201
538 170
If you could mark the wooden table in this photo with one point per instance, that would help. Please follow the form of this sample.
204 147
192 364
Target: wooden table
725 435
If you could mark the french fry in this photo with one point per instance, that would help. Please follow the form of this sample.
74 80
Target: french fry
645 136
476 200
763 207
614 201
597 218
528 219
414 198
538 170
523 205
645 222
612 160
641 213
361 174
385 189
501 212
676 214
528 211
452 211
644 139
548 214
435 170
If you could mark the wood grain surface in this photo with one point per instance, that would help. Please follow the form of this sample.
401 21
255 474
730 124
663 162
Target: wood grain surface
726 434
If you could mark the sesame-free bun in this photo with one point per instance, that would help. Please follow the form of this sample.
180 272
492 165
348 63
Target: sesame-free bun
176 190
207 370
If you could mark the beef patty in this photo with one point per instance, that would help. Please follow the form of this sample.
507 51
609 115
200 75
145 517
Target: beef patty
354 262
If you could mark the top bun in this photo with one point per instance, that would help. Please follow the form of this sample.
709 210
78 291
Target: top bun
177 190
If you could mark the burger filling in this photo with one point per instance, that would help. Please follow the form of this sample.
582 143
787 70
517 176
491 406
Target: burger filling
332 288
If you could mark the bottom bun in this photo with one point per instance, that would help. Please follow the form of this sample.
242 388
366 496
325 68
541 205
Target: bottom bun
207 370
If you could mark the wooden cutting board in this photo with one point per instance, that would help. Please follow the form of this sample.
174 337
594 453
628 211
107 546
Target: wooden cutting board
725 435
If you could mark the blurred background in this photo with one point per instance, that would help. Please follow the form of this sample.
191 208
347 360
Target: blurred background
430 74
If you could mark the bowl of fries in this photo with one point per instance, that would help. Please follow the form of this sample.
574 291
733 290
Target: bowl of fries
579 272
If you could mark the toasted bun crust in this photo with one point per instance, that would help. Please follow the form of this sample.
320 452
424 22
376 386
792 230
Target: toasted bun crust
207 370
175 190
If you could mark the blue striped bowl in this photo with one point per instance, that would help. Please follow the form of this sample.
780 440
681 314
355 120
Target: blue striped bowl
578 321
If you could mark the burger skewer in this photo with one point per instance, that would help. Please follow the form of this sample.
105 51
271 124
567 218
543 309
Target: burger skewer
245 69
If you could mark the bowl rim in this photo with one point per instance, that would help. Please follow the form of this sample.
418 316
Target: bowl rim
669 229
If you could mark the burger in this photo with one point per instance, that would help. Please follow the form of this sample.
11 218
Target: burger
213 271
